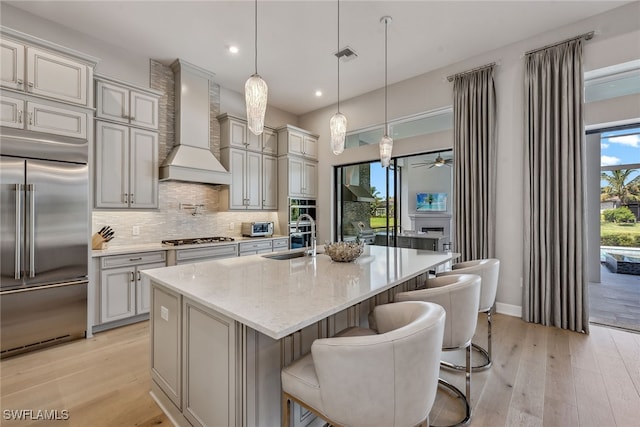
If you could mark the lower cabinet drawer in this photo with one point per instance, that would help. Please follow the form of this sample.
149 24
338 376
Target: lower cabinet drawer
255 246
132 259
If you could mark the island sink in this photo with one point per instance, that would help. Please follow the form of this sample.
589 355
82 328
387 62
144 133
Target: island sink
287 255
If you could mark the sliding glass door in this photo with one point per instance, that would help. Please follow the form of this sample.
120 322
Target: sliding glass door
367 204
405 205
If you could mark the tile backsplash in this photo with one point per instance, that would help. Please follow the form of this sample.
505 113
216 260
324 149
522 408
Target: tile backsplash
171 222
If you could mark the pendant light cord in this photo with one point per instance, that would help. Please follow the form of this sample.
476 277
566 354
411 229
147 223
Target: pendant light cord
256 35
386 126
338 56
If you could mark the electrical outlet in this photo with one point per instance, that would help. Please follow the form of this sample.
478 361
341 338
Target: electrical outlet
164 313
231 226
136 230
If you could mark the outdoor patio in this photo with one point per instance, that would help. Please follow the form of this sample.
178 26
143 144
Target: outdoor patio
615 301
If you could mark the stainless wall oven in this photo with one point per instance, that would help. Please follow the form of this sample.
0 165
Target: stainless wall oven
297 207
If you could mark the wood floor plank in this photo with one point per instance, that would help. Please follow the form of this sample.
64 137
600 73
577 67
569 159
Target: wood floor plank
542 376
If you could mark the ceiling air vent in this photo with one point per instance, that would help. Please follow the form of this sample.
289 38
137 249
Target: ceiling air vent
346 54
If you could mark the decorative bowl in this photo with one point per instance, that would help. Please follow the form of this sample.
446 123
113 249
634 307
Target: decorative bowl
344 251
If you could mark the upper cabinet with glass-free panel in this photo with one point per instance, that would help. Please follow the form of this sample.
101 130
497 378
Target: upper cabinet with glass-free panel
43 69
297 142
124 103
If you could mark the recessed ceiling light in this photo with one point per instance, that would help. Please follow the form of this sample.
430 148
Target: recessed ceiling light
233 49
318 93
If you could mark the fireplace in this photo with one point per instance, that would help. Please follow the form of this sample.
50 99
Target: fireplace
433 223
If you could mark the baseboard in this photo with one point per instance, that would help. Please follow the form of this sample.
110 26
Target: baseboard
509 309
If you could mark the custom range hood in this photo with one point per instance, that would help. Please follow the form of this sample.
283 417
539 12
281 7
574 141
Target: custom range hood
191 158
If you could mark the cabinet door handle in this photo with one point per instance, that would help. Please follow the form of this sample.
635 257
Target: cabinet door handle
133 277
138 276
131 118
136 259
20 116
30 87
30 118
125 198
20 82
131 198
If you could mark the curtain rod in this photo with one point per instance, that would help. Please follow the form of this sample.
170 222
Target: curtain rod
586 36
453 76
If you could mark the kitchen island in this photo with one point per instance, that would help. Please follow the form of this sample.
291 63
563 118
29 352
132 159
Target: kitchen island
222 330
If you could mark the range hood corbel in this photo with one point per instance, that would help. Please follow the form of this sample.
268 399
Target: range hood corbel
191 158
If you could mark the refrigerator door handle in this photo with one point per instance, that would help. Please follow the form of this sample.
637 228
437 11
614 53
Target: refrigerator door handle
31 188
18 245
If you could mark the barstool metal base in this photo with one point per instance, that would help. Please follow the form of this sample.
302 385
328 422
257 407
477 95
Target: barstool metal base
467 407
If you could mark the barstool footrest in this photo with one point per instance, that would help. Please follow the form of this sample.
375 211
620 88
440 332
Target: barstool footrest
485 365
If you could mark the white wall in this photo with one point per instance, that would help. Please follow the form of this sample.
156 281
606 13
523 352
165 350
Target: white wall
616 41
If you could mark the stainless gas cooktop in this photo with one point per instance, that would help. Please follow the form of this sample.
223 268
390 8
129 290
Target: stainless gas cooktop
197 240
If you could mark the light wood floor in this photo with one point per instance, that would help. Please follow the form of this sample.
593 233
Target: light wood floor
541 377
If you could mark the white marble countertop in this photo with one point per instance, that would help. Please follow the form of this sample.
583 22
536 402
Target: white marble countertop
150 247
279 297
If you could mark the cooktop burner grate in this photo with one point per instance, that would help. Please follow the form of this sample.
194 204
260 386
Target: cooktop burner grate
197 240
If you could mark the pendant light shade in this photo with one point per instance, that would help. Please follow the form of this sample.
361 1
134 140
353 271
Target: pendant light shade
338 126
386 146
255 92
338 123
386 143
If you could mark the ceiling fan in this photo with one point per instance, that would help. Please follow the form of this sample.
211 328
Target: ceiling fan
438 162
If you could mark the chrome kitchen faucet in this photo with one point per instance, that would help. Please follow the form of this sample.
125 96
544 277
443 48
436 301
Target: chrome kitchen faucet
312 250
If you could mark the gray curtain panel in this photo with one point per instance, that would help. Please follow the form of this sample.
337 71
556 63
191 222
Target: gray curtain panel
474 168
555 291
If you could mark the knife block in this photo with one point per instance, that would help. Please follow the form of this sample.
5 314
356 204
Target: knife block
98 243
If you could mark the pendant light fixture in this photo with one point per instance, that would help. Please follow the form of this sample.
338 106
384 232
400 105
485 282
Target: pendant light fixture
255 91
338 123
386 143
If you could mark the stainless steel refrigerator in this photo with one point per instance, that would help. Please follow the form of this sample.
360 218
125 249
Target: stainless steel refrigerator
44 252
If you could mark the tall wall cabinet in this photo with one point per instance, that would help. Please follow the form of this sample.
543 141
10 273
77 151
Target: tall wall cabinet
126 172
252 161
298 162
45 88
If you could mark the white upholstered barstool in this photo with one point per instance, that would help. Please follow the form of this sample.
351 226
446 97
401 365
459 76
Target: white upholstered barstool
459 295
489 270
387 378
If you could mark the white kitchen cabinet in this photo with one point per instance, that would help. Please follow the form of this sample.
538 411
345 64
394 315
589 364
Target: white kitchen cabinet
245 190
206 253
126 167
234 133
123 291
269 182
12 64
301 176
251 160
269 142
45 73
208 365
123 103
255 247
12 112
166 339
280 244
297 142
18 113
